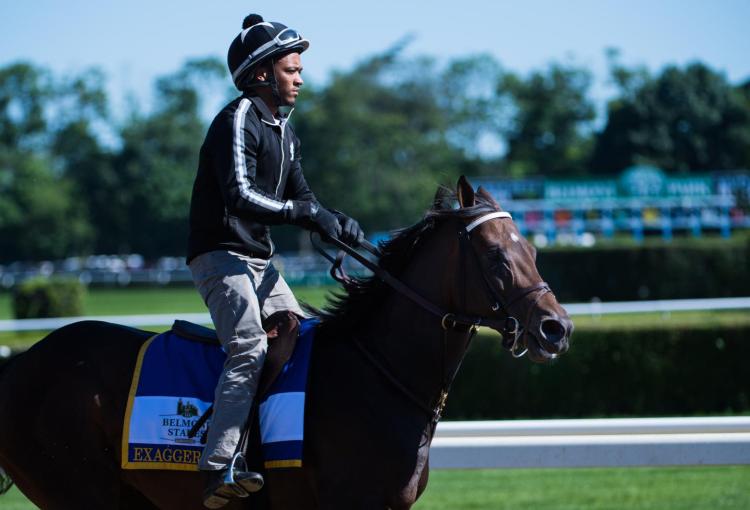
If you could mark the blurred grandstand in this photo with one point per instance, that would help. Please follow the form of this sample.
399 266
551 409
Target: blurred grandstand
642 201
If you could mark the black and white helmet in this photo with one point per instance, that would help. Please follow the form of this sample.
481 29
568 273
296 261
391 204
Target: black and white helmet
259 41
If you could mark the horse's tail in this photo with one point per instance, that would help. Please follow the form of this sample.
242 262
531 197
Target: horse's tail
5 482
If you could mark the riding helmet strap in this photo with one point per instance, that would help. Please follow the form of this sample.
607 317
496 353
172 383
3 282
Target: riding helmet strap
275 85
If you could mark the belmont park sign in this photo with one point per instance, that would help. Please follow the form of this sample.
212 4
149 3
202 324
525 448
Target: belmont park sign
640 183
635 182
642 197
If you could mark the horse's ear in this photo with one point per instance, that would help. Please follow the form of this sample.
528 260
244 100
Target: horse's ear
486 195
442 199
464 192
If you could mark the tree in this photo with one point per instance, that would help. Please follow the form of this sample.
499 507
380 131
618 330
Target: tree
39 217
81 121
24 91
465 91
683 120
156 165
549 128
374 141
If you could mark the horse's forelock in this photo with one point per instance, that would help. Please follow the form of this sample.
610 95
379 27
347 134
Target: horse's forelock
446 204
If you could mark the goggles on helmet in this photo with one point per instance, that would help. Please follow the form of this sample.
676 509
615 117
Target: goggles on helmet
285 39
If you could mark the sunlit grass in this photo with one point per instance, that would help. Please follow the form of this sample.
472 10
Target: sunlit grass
692 320
133 301
142 300
671 488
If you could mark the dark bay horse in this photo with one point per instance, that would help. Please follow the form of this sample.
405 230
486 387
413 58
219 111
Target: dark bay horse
382 363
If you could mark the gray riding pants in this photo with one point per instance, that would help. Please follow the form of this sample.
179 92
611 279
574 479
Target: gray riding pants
239 291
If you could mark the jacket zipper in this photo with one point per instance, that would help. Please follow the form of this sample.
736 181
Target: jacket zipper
281 169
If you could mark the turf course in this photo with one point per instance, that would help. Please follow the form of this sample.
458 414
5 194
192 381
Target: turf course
152 300
135 301
685 488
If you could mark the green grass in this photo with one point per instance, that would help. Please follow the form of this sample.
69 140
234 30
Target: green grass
153 300
14 500
684 488
133 301
693 320
678 488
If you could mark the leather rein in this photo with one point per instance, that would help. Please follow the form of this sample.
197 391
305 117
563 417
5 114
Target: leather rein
510 327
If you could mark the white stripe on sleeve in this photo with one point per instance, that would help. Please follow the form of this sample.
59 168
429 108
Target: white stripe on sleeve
240 167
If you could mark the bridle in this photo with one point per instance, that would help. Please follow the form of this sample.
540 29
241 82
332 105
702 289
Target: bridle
509 326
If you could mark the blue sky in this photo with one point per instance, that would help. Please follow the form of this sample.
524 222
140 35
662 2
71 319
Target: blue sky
137 40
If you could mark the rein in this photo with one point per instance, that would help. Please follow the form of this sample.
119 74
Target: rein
510 327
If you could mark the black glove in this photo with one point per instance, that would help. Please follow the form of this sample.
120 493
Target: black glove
351 233
325 222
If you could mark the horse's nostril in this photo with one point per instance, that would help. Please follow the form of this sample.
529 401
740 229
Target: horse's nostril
553 330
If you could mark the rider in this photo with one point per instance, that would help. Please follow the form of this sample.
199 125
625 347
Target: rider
249 177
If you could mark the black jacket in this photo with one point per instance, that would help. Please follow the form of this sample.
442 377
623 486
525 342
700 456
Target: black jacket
249 176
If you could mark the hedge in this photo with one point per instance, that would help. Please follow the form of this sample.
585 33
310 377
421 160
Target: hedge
43 297
662 271
654 372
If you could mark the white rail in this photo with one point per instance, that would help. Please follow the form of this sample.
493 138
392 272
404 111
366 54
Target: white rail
126 320
676 305
598 426
659 306
592 443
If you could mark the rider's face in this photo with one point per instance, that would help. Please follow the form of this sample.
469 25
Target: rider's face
289 77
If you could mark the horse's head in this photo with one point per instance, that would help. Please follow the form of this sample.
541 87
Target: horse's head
496 276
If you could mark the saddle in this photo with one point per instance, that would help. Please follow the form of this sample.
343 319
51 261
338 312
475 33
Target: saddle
281 330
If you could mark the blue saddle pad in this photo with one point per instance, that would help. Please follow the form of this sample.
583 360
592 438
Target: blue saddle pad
173 385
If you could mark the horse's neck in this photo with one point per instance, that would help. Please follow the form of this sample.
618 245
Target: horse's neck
411 342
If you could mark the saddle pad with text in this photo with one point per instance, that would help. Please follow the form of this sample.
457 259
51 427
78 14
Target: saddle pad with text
173 385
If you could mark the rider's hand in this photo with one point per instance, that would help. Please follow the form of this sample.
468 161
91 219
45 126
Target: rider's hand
325 222
351 233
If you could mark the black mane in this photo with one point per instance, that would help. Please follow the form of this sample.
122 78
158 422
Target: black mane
343 311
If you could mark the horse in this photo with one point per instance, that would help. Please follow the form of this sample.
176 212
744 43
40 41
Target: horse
386 350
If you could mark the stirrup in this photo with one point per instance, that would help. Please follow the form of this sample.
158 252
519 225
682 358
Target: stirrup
240 479
236 482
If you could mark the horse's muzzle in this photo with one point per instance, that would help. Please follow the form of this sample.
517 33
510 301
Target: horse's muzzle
554 332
